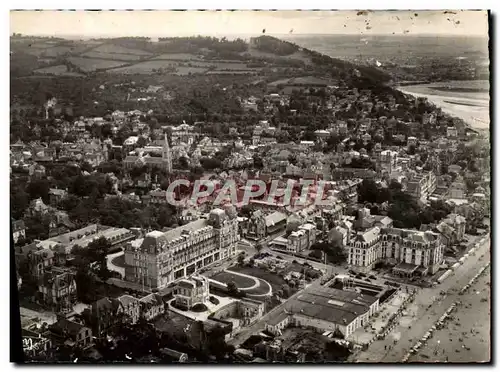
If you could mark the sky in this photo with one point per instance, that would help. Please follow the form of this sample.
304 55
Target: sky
184 23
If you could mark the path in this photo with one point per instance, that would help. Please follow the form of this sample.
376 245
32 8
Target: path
112 266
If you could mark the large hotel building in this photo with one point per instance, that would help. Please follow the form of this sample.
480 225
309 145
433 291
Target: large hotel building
162 257
413 252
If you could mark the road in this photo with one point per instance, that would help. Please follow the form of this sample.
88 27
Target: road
428 306
260 324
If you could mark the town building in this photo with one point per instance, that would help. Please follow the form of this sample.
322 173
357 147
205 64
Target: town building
326 309
35 344
452 229
457 189
70 333
261 225
183 133
104 315
18 230
387 161
57 289
302 239
56 196
241 313
451 132
191 291
131 308
410 250
152 306
38 256
160 258
163 162
82 237
422 186
339 174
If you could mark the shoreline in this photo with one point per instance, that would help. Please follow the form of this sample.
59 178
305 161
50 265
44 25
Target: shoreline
460 107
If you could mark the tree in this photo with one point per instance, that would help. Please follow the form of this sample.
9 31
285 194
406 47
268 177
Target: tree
334 253
232 289
183 162
411 150
367 191
286 290
246 211
241 258
141 141
259 247
85 284
39 189
19 201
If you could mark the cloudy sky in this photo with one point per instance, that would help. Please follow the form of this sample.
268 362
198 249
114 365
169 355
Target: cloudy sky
171 23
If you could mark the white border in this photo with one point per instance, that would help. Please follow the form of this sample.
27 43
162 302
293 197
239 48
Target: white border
192 4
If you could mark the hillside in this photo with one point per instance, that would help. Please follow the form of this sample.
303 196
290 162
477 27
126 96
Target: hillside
263 55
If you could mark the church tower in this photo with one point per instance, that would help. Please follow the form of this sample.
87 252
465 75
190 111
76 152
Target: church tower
167 156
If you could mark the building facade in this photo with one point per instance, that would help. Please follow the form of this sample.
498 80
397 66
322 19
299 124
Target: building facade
302 239
416 251
191 291
57 289
165 162
160 258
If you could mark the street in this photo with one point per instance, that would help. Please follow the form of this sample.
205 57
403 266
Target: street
428 306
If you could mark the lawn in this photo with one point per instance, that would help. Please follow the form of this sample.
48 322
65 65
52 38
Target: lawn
263 288
274 280
240 281
119 261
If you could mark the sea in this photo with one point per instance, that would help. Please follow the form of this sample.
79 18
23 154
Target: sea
468 100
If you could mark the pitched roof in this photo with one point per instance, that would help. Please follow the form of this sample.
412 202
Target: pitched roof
59 192
64 325
18 225
126 300
105 305
275 218
368 235
151 300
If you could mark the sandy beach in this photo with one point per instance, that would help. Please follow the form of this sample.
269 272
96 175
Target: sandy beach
466 336
427 308
472 107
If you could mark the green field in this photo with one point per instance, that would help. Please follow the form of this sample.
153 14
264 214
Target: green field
147 67
90 64
116 49
60 70
112 56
